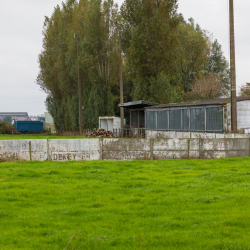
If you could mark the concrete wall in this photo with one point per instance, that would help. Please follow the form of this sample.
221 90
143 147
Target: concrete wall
190 135
124 149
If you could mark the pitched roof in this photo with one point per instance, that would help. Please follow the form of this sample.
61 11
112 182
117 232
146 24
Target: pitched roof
137 104
220 101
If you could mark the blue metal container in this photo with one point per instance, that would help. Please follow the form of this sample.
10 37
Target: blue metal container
28 126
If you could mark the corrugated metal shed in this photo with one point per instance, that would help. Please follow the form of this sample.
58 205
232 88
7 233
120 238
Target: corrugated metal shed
137 115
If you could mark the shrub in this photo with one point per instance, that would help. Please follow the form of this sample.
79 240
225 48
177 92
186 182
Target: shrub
7 128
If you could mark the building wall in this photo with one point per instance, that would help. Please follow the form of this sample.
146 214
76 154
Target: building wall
123 149
48 118
110 122
243 116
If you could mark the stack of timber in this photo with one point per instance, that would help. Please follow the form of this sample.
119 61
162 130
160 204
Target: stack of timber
100 133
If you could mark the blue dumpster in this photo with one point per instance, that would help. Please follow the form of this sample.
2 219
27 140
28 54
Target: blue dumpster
28 126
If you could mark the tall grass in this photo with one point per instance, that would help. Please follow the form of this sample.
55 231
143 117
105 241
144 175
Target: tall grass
173 204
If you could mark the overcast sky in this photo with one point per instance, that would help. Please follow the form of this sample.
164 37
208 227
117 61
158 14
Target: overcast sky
21 23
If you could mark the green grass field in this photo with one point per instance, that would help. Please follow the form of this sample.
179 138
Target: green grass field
172 204
35 136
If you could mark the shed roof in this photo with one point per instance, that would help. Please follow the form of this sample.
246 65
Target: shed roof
137 104
220 101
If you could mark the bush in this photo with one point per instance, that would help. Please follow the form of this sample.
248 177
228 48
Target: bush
7 128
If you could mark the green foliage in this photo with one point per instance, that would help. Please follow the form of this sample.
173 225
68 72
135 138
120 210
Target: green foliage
219 65
173 204
157 41
93 23
161 83
245 89
148 42
6 128
165 58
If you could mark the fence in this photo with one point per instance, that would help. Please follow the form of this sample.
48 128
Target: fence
123 149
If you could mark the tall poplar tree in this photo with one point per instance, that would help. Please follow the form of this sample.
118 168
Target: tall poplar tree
93 22
148 40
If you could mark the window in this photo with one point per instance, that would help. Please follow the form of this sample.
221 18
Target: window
162 119
134 119
214 119
141 119
151 119
175 119
185 119
197 122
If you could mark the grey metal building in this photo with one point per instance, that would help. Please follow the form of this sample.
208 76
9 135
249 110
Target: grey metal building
18 116
200 116
137 112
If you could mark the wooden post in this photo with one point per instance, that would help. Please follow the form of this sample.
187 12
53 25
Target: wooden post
30 150
232 69
101 148
121 83
151 148
188 141
79 92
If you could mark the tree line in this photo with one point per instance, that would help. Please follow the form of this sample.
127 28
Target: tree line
165 58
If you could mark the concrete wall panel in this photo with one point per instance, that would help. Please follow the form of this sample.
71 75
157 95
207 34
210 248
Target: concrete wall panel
170 144
126 155
126 145
225 144
74 149
22 149
175 154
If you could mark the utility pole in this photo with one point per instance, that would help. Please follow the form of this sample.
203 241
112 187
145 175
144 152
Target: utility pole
121 82
79 88
232 69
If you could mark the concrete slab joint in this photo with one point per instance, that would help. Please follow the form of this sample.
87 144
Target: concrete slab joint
151 148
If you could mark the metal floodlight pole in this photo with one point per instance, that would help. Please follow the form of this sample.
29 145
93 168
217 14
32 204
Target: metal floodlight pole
121 81
232 69
79 88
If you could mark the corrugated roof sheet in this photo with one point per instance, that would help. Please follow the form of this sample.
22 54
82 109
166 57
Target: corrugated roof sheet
219 101
137 104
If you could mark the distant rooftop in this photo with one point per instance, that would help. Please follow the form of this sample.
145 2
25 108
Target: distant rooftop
14 114
220 101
